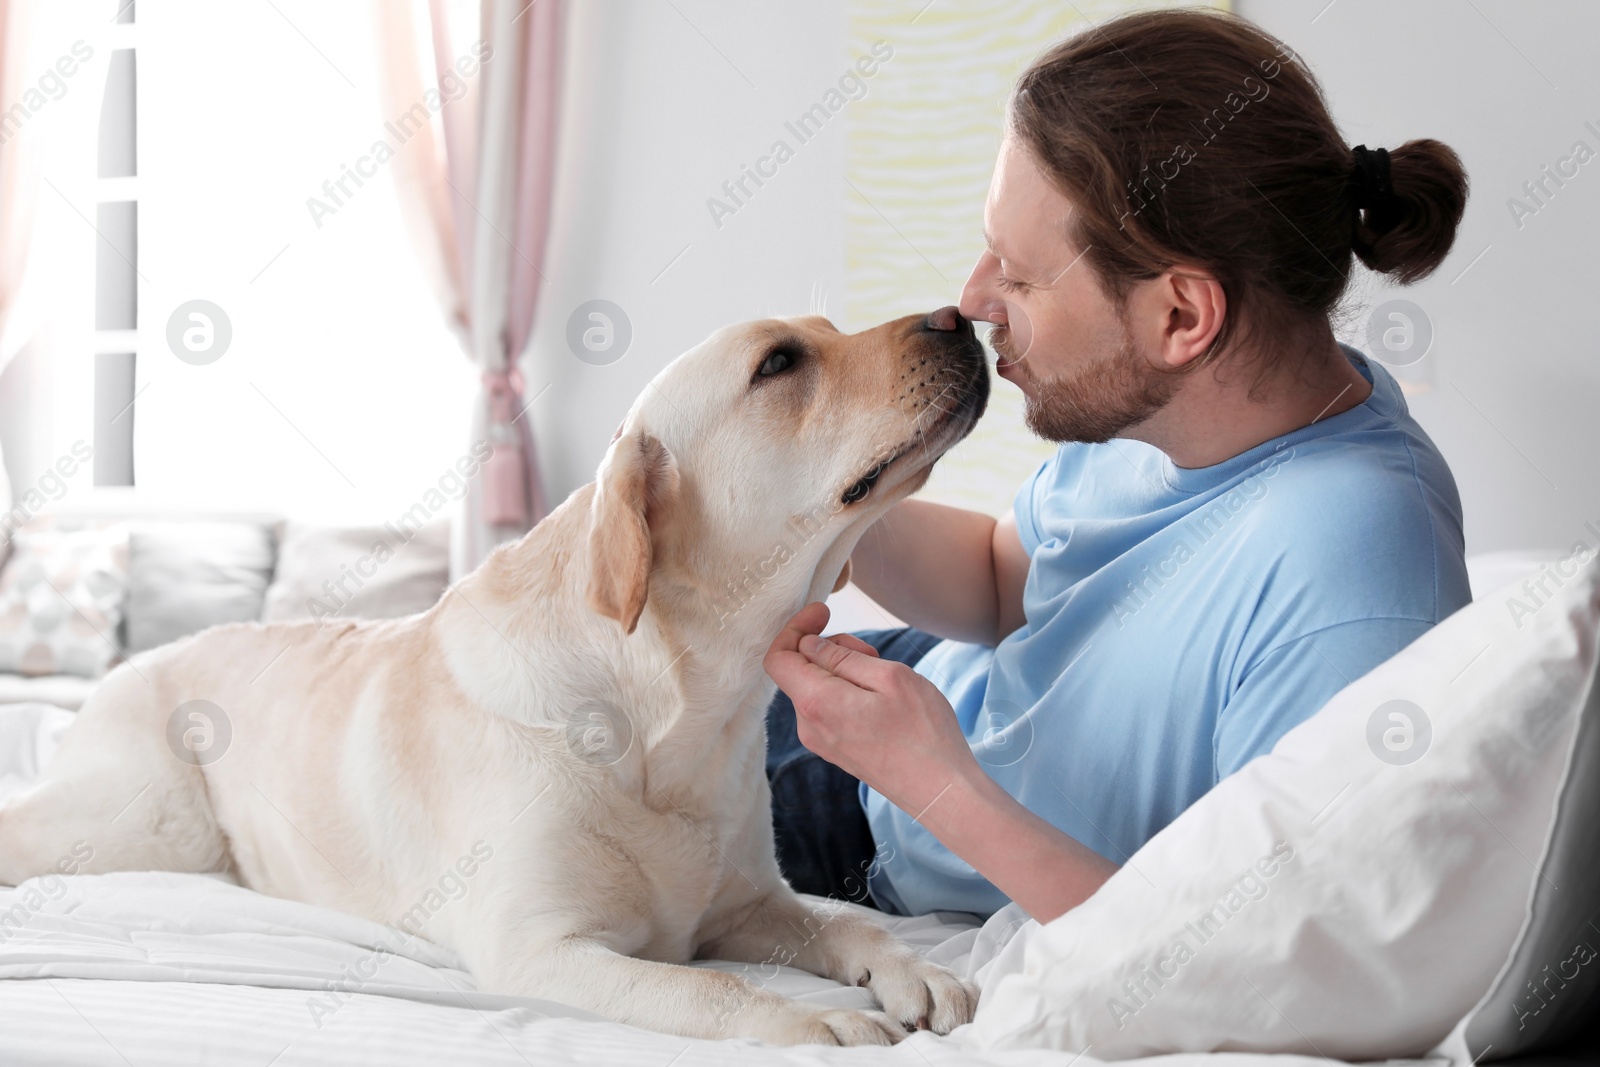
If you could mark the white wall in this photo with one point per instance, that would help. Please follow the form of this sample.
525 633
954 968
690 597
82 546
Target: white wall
1516 380
673 105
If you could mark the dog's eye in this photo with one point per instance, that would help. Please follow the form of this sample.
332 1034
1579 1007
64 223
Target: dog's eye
778 360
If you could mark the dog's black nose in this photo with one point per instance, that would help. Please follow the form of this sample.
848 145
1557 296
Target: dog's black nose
945 320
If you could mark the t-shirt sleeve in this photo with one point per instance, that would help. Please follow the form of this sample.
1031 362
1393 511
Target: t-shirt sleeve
1294 680
1025 505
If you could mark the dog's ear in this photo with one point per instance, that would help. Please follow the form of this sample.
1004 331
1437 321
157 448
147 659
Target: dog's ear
844 576
636 480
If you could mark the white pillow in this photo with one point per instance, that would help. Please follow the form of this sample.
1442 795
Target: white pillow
186 576
1548 994
358 572
1331 898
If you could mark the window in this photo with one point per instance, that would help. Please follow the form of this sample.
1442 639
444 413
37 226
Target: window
341 393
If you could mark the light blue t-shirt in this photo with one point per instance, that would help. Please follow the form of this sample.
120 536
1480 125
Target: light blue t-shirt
1179 621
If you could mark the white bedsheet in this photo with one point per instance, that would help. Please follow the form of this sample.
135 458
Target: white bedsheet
162 927
155 968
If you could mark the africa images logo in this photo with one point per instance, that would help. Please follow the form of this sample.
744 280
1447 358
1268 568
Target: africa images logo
739 190
1540 588
1399 732
199 732
1251 886
1191 535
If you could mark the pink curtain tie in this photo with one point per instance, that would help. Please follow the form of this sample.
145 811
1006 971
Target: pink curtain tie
504 388
505 474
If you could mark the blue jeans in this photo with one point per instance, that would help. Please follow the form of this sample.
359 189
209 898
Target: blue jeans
825 846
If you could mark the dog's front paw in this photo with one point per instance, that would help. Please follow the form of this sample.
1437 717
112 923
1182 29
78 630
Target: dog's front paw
831 1026
920 995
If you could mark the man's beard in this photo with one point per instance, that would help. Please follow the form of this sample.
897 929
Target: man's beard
1096 402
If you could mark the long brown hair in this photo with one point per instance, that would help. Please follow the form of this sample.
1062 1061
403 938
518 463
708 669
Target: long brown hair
1193 137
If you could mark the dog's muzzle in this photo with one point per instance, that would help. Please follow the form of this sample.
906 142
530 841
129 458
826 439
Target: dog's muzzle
963 374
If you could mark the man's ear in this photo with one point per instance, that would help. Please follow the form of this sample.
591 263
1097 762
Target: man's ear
635 482
844 576
1193 305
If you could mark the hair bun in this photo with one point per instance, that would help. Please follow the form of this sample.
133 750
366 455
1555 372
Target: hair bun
1406 229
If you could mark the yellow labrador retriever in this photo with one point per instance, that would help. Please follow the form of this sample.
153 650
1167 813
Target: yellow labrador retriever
576 730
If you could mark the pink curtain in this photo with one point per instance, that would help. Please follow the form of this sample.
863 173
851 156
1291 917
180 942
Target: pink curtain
477 200
16 162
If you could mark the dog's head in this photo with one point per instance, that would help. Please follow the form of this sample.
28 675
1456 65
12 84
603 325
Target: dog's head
748 469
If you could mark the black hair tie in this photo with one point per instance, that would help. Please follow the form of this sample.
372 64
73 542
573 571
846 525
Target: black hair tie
1372 191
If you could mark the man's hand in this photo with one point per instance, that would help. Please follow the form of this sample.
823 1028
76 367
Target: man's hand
879 721
892 728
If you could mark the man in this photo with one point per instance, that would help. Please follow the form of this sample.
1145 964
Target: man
1242 518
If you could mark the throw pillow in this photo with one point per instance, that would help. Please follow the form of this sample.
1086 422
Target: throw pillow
61 600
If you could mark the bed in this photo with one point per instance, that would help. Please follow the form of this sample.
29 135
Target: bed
157 968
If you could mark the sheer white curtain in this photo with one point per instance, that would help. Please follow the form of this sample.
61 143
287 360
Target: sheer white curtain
56 69
17 164
479 201
264 190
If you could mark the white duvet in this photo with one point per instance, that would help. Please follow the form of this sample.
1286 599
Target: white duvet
156 968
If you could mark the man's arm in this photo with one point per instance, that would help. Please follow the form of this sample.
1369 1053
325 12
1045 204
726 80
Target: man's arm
892 728
1027 859
952 572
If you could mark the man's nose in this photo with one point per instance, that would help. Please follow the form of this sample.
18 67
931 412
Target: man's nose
980 301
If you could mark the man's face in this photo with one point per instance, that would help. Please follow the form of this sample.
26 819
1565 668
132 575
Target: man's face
1060 338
